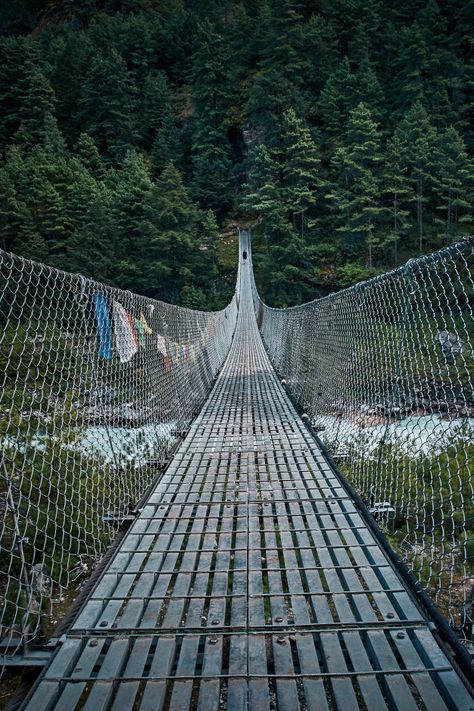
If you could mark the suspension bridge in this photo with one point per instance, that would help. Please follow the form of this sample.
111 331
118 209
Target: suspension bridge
250 574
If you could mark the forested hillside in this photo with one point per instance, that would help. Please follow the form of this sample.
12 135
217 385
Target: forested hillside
130 131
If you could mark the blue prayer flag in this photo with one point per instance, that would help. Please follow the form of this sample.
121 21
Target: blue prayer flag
103 325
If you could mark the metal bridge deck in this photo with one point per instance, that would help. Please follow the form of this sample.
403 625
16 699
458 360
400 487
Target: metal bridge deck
249 580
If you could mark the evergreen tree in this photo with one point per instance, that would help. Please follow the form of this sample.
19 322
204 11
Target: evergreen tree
256 102
367 89
36 107
262 193
270 95
86 151
211 168
397 189
301 170
417 137
209 235
68 55
320 47
282 46
167 145
173 259
90 249
453 183
358 192
155 107
129 213
335 99
107 106
17 228
10 63
210 146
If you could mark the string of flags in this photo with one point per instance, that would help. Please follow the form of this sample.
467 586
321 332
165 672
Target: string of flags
130 335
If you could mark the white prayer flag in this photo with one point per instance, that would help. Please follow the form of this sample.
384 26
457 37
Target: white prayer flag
161 344
125 340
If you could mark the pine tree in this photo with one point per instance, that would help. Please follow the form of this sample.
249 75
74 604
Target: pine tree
68 57
271 94
209 230
440 65
192 297
18 232
335 99
86 151
320 46
211 168
417 136
366 88
397 189
36 107
155 107
90 249
11 62
173 255
358 189
411 64
129 213
301 170
107 106
283 41
167 144
210 146
262 193
453 183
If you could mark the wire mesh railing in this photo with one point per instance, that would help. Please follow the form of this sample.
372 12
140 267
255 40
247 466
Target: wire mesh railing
385 370
97 385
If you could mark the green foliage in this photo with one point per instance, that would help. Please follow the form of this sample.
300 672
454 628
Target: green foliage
257 105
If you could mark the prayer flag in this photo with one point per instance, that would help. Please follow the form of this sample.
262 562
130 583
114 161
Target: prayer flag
103 325
146 327
125 339
161 344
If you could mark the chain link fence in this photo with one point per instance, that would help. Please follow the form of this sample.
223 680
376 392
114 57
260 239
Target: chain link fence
97 386
385 370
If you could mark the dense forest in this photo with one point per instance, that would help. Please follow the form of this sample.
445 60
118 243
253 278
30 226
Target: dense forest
132 132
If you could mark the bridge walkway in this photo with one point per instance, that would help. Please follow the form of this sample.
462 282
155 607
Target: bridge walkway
250 579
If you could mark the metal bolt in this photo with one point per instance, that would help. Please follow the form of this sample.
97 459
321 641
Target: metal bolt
281 640
93 643
213 640
215 622
104 623
390 615
400 635
278 619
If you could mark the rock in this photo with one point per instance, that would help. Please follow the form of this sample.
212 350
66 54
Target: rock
40 582
451 345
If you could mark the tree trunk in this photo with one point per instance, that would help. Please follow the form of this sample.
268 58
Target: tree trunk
420 213
395 229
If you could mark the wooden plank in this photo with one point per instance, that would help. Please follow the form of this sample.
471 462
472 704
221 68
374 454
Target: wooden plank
286 689
44 696
83 668
314 690
342 688
154 695
259 697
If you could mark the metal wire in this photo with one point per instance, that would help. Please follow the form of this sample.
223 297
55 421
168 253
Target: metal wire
385 369
97 384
